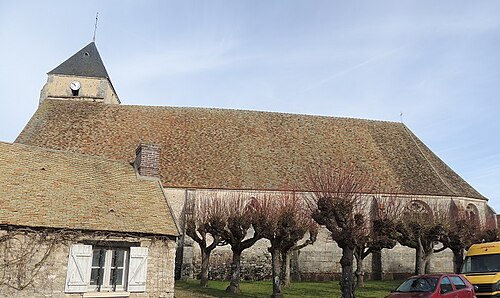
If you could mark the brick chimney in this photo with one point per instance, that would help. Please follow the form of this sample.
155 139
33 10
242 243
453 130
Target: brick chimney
147 160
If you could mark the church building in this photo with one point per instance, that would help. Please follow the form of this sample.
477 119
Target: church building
205 150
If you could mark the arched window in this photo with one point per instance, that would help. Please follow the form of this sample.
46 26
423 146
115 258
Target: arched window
472 213
420 209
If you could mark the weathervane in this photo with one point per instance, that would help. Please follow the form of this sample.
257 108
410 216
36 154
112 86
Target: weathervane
95 27
401 115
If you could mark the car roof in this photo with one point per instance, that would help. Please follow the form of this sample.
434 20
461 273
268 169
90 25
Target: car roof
438 275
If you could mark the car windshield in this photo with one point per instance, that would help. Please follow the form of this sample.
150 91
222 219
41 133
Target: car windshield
481 263
418 284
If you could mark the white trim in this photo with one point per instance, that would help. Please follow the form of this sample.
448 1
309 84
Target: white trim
106 294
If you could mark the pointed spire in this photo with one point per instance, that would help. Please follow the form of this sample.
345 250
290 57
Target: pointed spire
86 63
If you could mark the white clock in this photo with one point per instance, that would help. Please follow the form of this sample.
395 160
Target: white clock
75 85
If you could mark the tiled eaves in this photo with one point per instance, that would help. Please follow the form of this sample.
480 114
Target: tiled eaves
237 149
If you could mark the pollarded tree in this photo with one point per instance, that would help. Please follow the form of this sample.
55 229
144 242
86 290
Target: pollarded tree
284 219
488 235
489 231
463 230
422 229
313 234
378 232
338 202
230 218
197 212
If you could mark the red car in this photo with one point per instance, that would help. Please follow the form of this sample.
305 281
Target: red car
434 286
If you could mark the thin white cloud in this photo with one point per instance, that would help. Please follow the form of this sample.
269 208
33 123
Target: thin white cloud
354 67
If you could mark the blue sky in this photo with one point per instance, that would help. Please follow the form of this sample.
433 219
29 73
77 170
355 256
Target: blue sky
437 62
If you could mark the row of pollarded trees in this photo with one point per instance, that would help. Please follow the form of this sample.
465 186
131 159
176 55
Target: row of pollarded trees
340 203
284 219
359 223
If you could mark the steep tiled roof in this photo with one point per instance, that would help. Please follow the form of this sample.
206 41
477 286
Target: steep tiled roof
232 149
86 62
59 189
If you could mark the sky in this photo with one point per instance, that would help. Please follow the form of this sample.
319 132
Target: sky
435 62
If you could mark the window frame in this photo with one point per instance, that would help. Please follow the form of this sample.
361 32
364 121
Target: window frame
78 274
452 286
106 284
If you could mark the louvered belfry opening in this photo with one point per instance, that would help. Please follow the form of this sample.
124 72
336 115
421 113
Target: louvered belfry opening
147 160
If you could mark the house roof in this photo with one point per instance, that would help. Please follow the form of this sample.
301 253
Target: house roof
86 63
60 189
234 149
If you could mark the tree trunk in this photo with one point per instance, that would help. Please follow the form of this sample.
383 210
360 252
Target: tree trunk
428 264
423 259
205 260
288 269
377 265
359 273
294 266
458 259
347 283
419 259
277 264
428 251
234 285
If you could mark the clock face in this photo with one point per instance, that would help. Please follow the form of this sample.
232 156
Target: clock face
75 85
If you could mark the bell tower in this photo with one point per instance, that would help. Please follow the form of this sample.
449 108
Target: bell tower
81 77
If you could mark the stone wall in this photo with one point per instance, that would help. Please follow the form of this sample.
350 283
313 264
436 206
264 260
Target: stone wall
315 262
49 279
92 89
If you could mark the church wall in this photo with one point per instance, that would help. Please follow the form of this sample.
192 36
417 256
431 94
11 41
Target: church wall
92 89
319 261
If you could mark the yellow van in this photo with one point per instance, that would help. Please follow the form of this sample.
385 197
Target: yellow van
482 268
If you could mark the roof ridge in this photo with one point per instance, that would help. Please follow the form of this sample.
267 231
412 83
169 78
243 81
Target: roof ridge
428 161
236 110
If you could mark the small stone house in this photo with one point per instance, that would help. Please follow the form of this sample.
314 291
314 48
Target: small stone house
74 225
206 151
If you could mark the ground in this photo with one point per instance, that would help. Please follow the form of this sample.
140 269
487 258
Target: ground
191 289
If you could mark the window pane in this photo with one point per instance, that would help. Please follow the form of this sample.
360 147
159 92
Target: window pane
458 282
446 285
118 258
418 284
116 280
96 276
96 254
482 263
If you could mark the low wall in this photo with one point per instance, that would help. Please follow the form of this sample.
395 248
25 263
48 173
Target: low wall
317 262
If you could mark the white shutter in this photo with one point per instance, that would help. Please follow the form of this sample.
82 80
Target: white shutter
79 267
138 266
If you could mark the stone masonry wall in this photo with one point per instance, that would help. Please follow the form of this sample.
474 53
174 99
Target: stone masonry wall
92 89
314 262
317 262
50 280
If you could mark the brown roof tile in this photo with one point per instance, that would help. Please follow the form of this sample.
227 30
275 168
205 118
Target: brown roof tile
60 189
234 149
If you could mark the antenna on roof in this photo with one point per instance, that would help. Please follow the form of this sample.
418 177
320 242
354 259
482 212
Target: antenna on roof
95 27
401 115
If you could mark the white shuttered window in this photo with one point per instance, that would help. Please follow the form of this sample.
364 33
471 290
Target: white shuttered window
79 262
106 269
138 269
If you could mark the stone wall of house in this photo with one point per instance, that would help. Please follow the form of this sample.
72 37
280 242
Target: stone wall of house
319 261
48 279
